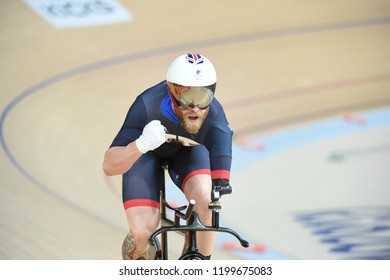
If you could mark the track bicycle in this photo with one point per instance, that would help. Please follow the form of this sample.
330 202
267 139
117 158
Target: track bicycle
192 224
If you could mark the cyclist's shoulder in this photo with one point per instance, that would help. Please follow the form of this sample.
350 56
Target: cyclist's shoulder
148 103
155 91
216 120
216 113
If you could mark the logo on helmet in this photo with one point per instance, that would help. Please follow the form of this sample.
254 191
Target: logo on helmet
198 75
194 58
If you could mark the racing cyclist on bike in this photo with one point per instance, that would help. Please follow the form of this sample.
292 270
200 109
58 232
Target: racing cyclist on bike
177 123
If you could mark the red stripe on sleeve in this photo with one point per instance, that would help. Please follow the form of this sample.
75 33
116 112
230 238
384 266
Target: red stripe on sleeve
216 174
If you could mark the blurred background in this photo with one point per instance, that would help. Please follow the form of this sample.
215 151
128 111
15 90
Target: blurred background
305 85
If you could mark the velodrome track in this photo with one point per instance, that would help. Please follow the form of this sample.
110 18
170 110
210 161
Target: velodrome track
306 87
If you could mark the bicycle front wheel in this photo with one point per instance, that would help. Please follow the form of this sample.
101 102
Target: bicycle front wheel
192 256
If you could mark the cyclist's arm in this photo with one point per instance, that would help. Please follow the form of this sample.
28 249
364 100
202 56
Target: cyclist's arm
218 140
220 159
119 159
123 152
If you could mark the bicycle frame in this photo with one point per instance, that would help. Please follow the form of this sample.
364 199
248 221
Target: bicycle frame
192 225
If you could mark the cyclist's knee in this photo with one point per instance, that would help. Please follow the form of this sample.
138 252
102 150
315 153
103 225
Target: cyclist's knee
143 220
199 188
142 232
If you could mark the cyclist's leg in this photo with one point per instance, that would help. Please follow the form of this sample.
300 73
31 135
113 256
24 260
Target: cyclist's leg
198 187
141 197
191 172
143 221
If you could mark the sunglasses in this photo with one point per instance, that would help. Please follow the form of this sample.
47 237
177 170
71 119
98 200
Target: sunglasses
187 97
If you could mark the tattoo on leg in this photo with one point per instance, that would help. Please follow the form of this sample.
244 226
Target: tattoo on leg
129 247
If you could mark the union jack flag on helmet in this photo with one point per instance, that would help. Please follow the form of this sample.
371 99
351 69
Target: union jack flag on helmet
194 58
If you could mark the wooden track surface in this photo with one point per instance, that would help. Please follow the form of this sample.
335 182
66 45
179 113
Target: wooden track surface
65 93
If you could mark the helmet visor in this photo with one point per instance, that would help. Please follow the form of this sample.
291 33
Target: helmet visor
190 97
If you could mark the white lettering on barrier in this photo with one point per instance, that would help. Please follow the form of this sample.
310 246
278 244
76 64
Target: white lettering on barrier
80 13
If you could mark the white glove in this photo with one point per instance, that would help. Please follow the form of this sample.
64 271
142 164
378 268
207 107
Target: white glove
153 135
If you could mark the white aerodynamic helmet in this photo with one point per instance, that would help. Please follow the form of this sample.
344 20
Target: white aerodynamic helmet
191 80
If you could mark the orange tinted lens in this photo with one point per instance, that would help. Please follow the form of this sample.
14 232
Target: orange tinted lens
200 97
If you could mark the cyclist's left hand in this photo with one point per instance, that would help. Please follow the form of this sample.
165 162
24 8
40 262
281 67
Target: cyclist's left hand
222 186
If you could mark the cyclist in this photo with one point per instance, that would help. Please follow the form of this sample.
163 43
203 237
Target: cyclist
177 123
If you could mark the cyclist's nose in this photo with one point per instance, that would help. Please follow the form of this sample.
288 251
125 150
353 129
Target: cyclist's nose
194 109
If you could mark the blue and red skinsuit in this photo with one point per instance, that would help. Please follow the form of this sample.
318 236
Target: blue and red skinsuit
142 183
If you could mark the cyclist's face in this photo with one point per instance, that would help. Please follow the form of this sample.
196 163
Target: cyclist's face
192 118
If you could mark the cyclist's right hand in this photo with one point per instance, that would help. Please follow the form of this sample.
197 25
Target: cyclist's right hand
153 135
